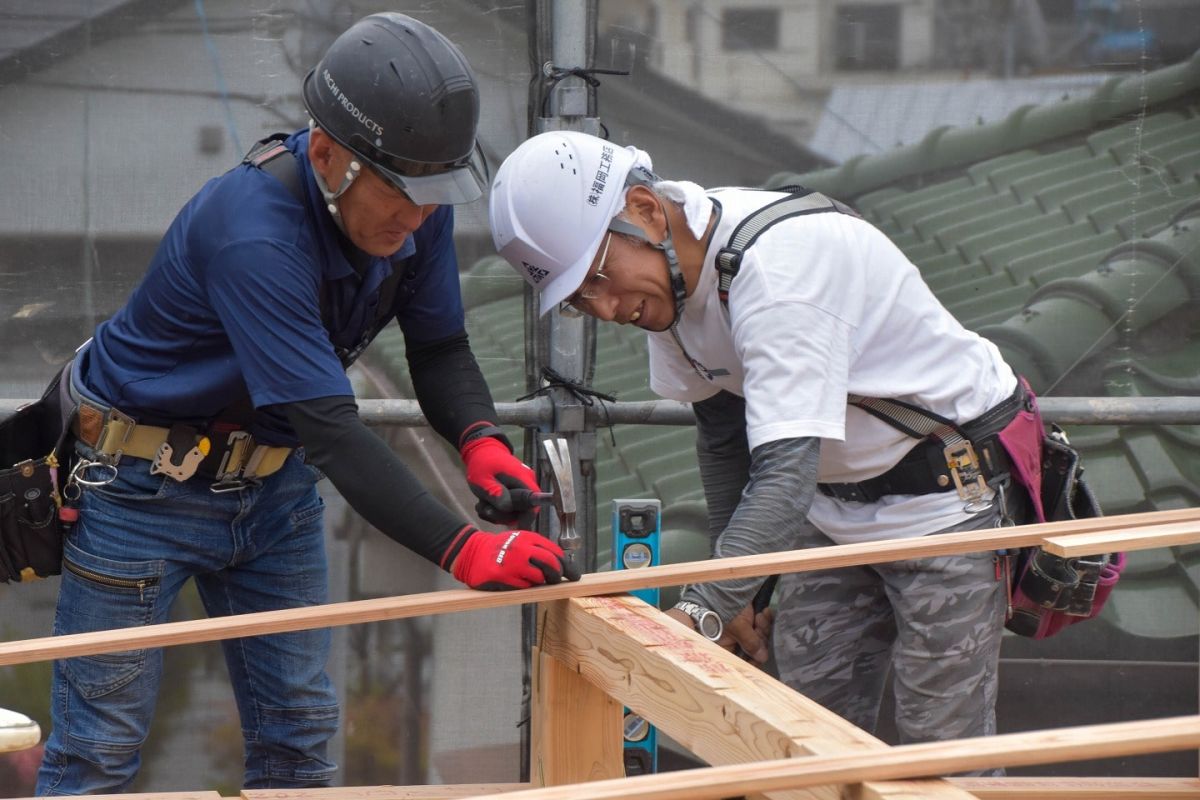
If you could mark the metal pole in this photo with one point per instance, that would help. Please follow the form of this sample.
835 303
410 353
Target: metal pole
562 32
541 412
569 344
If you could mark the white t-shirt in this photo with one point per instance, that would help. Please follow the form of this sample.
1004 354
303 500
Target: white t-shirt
824 305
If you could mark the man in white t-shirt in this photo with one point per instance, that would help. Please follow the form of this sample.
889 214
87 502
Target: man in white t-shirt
822 308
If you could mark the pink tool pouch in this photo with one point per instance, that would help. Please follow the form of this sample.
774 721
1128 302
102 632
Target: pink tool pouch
1048 593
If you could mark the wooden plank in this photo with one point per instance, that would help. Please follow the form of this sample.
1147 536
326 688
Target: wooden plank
455 600
1081 788
575 733
446 792
1115 541
204 795
708 700
902 761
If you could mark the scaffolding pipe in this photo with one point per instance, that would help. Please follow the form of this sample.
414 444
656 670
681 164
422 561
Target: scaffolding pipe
539 412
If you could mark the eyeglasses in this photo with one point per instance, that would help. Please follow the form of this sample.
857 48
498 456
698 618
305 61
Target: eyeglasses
592 288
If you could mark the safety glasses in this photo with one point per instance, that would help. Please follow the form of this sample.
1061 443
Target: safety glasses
593 287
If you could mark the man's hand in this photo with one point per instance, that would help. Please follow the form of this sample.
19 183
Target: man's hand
510 560
507 489
748 632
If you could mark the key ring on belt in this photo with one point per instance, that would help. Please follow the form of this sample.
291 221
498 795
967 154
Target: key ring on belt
82 464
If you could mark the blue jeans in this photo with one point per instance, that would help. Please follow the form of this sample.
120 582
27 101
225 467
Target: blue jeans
138 541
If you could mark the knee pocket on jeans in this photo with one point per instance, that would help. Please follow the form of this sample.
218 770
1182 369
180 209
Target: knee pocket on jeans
99 594
308 718
304 731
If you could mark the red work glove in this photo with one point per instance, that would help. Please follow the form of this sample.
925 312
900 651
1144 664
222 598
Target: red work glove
503 484
509 560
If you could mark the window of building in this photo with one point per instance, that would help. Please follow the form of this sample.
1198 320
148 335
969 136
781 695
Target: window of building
750 29
868 36
1059 10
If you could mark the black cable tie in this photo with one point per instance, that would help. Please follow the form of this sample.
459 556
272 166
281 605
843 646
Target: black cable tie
586 395
555 74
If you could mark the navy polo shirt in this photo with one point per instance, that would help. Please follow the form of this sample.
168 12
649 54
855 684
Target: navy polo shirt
232 304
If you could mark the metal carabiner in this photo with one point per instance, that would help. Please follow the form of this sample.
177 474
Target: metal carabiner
1005 520
82 464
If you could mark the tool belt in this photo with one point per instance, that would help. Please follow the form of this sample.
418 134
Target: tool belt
32 443
971 457
220 453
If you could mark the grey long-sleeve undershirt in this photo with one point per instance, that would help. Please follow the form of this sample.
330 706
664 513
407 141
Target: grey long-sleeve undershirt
756 501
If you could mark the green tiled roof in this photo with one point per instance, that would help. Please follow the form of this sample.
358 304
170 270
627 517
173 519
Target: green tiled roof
1068 234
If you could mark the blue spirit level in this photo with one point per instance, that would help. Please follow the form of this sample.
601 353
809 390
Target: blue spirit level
637 526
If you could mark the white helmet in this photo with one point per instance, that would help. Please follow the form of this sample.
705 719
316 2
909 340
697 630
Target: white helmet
552 201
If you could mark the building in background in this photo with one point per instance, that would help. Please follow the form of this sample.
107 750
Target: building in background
816 70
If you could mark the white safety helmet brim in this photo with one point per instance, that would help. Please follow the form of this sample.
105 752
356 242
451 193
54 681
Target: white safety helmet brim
551 204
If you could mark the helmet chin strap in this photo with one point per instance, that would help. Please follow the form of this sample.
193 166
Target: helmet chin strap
331 196
641 176
667 248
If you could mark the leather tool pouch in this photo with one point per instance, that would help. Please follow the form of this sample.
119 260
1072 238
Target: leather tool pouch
33 452
1049 593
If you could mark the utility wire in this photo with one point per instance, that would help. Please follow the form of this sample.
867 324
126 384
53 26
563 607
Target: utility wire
222 89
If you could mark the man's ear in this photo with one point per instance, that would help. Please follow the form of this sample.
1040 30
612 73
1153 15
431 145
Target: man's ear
644 209
322 151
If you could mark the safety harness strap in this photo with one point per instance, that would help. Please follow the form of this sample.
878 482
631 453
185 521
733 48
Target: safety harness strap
266 154
948 456
800 202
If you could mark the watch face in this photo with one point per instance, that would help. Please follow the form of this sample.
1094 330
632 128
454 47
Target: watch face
709 625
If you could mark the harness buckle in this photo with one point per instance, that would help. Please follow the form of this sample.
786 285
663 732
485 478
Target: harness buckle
234 451
963 462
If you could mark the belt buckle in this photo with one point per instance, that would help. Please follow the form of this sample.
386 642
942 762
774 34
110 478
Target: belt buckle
235 445
963 462
247 472
113 434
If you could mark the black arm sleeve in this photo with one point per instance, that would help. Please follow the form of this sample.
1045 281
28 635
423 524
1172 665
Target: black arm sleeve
450 387
724 457
756 501
374 481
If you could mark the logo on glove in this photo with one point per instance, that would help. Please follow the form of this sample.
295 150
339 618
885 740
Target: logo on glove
504 547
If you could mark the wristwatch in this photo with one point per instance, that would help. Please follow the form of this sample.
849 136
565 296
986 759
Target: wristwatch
707 623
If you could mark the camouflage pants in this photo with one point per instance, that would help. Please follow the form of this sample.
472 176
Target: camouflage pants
936 623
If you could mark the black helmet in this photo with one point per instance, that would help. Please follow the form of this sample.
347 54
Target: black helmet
401 97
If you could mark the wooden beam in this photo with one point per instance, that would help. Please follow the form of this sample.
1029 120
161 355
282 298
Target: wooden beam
447 792
153 796
1115 541
575 728
983 788
455 600
1081 788
710 701
902 761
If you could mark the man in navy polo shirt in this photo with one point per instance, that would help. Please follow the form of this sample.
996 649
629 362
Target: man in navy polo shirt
229 356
